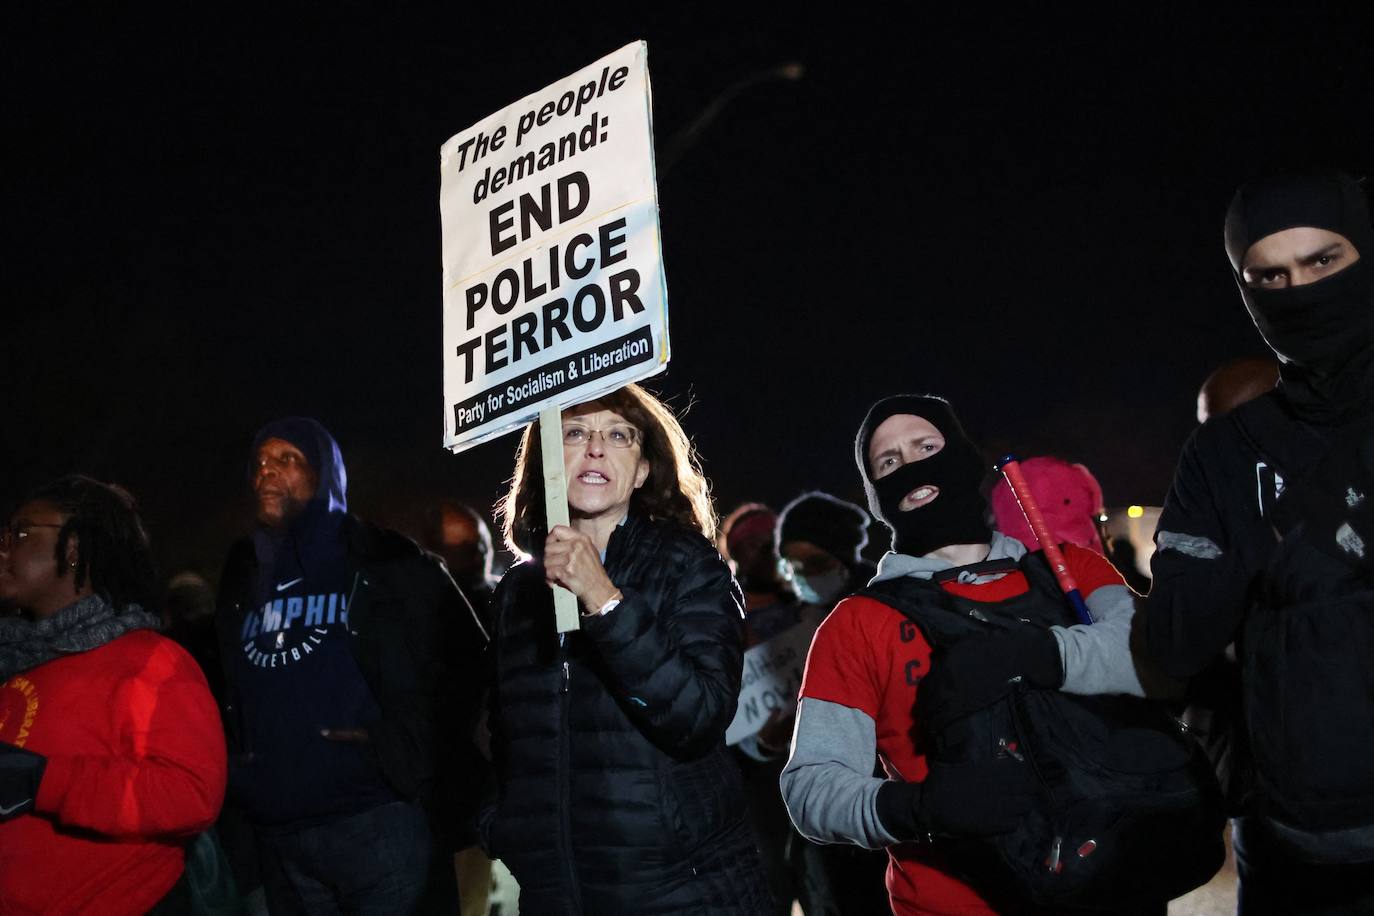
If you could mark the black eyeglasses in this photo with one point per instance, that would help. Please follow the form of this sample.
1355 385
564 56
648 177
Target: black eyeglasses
15 532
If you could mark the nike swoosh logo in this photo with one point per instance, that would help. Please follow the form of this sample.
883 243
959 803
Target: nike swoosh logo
283 586
4 812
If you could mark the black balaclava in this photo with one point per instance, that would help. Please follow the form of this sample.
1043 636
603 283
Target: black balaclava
1318 326
959 514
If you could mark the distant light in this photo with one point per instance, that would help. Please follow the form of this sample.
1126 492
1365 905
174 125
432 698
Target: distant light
1135 511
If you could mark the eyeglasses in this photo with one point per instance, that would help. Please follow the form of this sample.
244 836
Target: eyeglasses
575 435
15 532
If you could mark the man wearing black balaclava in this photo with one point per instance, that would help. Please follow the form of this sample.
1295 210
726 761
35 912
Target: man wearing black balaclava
344 647
923 477
1267 541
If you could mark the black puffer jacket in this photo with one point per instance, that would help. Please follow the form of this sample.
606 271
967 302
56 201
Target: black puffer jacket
616 793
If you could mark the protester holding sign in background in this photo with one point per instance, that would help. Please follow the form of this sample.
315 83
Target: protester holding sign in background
771 609
615 791
777 629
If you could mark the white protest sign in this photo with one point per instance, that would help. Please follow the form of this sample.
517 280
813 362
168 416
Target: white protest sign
553 271
772 676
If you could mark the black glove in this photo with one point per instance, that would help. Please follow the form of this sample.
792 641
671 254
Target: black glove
975 672
1332 506
963 800
20 773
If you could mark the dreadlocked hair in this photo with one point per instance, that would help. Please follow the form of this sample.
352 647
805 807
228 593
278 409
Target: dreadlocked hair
112 549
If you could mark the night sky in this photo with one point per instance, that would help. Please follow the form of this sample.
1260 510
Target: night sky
214 221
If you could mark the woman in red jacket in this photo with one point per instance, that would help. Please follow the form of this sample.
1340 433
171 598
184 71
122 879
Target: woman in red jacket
111 749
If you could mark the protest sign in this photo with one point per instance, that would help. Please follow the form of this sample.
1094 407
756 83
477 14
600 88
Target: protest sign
553 278
773 675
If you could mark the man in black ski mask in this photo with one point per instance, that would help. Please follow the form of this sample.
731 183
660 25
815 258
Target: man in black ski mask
1296 242
924 460
1267 541
872 681
923 477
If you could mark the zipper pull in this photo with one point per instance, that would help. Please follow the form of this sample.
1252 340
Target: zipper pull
1052 863
1007 748
564 687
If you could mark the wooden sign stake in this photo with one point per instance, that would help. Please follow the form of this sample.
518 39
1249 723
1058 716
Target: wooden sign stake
565 611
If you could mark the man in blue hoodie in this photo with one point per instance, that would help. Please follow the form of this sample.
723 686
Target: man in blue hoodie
344 647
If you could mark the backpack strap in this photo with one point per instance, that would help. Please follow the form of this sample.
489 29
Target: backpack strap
945 618
985 568
928 606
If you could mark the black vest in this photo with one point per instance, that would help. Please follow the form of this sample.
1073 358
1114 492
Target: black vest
1127 808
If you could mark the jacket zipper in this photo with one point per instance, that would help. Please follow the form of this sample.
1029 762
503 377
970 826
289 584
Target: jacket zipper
352 621
565 775
1053 862
1024 750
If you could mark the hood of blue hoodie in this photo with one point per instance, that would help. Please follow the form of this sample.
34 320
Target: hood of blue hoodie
320 449
312 540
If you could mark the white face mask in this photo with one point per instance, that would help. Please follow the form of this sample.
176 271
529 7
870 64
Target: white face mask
822 588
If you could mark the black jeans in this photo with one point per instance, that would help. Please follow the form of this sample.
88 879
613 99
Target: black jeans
1275 883
376 862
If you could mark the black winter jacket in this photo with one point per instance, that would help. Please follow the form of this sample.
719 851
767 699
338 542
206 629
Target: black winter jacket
616 793
1215 538
418 645
1219 565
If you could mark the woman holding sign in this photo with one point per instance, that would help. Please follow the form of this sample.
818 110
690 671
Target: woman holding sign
615 792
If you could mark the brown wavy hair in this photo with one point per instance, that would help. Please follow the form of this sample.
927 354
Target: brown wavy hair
675 490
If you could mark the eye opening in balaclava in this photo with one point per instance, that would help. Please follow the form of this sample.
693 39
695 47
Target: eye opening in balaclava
958 515
1320 325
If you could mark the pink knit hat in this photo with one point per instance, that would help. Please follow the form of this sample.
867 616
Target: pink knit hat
1069 496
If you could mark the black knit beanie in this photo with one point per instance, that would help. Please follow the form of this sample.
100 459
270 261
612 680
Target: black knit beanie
839 528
